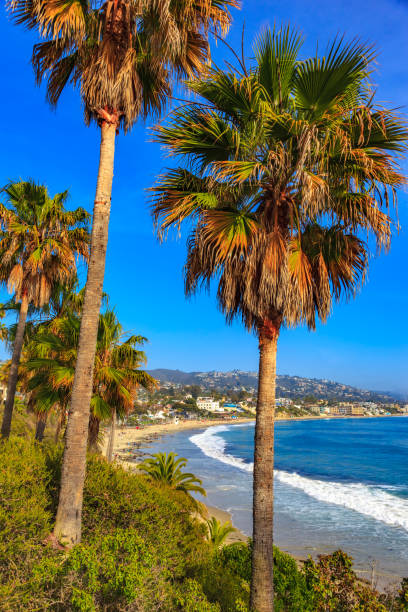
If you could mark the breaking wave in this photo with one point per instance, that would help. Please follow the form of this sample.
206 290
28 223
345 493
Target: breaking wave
368 500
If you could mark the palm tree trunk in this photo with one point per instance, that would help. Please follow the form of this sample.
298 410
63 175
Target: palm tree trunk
15 362
93 433
60 424
69 514
40 428
111 441
262 594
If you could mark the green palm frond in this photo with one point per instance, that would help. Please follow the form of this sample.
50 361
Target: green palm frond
50 358
218 532
167 469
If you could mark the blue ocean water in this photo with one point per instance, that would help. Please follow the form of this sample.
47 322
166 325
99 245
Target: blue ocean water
339 483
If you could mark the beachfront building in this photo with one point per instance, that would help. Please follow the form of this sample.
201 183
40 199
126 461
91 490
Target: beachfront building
324 410
209 404
347 410
283 401
230 407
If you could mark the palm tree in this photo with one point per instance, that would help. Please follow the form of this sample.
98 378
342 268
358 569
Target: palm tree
51 358
167 469
289 164
218 532
39 243
123 55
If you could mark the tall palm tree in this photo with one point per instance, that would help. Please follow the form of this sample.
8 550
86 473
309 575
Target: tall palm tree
123 55
289 164
39 243
117 374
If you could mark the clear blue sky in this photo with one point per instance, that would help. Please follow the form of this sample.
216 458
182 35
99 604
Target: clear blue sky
365 343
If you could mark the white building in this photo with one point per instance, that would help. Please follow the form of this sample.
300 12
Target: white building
207 403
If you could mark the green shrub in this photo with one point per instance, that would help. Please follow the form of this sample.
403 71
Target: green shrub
139 540
114 498
24 515
335 586
291 590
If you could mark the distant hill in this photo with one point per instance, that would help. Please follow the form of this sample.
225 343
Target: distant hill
287 386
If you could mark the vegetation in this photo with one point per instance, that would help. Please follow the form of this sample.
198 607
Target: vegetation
50 364
287 164
167 469
218 532
39 243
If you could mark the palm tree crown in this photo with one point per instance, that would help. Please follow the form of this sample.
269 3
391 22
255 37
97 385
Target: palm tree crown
39 241
51 357
288 163
121 53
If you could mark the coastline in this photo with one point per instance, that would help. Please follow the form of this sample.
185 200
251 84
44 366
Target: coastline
130 439
126 435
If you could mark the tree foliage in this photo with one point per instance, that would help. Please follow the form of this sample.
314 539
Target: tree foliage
286 165
121 54
167 469
40 241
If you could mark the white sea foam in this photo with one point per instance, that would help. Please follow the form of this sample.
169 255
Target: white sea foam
214 446
371 501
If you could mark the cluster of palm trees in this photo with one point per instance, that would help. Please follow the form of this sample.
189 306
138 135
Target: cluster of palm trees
288 168
40 245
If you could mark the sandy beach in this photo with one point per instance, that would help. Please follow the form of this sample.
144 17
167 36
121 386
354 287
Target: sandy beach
139 436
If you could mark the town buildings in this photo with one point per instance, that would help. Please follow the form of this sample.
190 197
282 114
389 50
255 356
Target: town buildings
209 404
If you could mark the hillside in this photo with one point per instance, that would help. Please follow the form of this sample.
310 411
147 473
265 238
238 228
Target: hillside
287 386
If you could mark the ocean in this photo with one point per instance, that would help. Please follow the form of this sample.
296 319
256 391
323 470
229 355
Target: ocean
339 483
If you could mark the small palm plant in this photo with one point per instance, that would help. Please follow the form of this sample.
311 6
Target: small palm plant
218 532
167 469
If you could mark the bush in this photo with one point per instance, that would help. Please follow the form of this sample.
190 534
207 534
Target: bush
139 541
25 518
335 586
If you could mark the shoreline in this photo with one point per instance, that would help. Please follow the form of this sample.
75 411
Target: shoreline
140 436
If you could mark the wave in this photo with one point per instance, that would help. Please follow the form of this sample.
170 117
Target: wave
368 500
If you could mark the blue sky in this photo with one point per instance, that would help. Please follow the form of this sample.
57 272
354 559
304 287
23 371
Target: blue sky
365 343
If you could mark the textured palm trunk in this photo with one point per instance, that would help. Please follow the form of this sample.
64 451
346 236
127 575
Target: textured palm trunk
93 434
40 427
111 441
13 375
60 425
69 514
262 594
